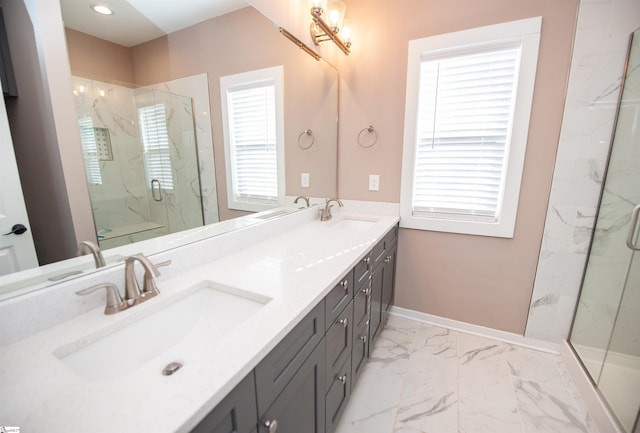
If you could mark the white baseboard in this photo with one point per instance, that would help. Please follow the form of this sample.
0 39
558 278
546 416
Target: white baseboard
597 408
507 337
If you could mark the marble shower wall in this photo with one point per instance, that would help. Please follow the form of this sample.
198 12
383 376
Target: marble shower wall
121 199
599 55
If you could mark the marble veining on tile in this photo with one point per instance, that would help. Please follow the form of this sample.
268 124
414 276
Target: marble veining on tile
423 378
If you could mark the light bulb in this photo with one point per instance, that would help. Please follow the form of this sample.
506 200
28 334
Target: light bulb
102 9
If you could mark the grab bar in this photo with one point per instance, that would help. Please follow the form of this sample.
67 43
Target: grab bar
632 229
156 187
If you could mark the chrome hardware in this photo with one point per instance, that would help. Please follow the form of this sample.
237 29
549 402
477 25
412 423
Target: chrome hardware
366 290
156 190
387 259
345 285
306 200
342 379
132 292
171 368
86 246
344 322
363 338
325 214
272 426
632 229
367 260
114 304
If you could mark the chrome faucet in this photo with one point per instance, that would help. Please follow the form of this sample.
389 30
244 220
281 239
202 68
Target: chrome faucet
89 247
306 199
325 214
133 294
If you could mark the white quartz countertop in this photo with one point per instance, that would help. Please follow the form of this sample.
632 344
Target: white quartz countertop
293 270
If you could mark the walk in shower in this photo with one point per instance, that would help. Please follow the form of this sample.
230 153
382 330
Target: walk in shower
141 160
606 328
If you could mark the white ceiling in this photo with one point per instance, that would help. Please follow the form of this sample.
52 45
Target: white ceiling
138 21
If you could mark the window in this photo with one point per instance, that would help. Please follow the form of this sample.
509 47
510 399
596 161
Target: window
467 113
155 144
90 150
252 106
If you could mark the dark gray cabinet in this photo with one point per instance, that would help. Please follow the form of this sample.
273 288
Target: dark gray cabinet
304 383
300 407
237 413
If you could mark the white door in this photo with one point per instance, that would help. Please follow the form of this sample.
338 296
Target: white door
17 252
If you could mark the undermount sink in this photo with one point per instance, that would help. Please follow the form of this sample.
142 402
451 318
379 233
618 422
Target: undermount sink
353 223
207 309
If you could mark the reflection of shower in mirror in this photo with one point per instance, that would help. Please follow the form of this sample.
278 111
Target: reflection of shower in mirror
140 148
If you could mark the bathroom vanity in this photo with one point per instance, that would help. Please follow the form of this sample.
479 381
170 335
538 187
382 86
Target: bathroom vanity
262 329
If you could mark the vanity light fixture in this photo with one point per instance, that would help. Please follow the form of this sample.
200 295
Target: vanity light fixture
102 9
328 17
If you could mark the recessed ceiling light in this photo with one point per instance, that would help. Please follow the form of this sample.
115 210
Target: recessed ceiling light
102 9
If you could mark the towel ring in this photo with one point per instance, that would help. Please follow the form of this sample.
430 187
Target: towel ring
308 133
369 130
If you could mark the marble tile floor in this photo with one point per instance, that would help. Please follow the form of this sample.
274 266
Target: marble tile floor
427 379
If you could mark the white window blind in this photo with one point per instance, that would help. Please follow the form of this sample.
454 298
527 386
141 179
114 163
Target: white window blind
465 113
90 150
155 144
253 139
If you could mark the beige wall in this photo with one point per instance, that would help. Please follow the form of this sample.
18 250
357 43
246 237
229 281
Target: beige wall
215 48
480 280
95 58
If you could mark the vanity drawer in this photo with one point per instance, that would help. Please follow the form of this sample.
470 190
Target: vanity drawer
338 341
377 254
338 392
362 270
360 303
235 414
338 298
281 364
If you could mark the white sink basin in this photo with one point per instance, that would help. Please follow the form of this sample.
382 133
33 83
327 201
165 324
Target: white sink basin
354 224
206 309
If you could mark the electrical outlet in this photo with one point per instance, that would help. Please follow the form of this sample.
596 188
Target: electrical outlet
304 180
374 182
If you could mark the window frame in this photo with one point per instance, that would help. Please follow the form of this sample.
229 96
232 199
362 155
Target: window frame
273 76
527 31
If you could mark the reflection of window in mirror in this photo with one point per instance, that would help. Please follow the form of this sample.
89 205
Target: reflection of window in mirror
254 140
155 145
90 151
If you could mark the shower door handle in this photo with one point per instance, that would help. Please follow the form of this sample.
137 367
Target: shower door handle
632 229
156 190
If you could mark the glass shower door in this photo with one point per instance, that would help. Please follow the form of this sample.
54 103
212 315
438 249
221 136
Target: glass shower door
606 328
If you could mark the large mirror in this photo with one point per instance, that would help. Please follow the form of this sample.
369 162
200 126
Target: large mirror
118 78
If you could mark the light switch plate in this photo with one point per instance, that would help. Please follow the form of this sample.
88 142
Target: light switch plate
304 180
374 182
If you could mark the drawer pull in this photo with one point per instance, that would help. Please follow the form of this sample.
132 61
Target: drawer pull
366 260
272 426
342 379
366 290
363 338
344 322
345 285
387 259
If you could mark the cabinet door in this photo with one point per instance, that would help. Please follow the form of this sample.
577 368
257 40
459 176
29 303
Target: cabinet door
388 288
338 395
360 349
300 407
377 281
338 342
277 368
237 413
